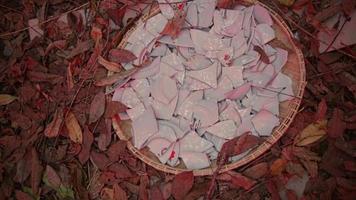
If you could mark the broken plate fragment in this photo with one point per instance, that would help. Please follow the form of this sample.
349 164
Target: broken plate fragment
195 160
264 122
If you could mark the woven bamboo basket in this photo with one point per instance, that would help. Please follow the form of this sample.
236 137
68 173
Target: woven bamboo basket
295 69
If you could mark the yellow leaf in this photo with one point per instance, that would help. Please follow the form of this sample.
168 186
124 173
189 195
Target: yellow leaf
312 133
6 99
278 166
286 2
73 127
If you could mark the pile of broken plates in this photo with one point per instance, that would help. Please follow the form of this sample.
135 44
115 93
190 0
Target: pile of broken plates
206 86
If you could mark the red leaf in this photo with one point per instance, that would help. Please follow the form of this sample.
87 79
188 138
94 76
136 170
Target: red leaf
120 170
99 159
182 183
116 150
291 195
336 125
143 192
53 179
241 181
81 48
174 26
113 108
59 44
121 77
257 171
350 165
117 14
119 193
52 129
321 112
22 195
272 189
97 107
156 194
244 143
225 4
96 33
121 56
22 169
88 140
263 54
36 171
111 66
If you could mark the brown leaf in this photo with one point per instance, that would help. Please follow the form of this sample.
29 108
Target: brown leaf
88 140
36 171
336 125
244 143
22 169
174 25
321 112
117 14
96 33
116 150
97 107
264 57
312 133
52 129
120 170
111 66
59 44
225 4
350 165
73 127
122 76
257 171
286 2
100 160
52 177
69 78
143 192
121 56
22 195
278 166
81 48
6 99
113 108
241 181
155 193
182 183
43 77
119 193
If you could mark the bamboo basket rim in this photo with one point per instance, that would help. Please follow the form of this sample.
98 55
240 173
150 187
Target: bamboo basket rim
278 132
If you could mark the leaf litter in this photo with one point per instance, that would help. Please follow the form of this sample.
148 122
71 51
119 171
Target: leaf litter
37 113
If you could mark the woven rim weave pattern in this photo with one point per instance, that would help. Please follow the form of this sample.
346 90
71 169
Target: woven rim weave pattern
295 69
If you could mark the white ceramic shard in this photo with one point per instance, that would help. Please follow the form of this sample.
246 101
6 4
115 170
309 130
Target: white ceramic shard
186 108
264 33
144 127
164 89
156 24
231 112
183 40
129 98
262 15
226 56
217 141
206 10
197 62
270 104
239 92
224 129
159 50
160 147
234 73
246 25
174 61
191 19
173 155
206 43
164 111
179 133
141 87
205 112
246 124
141 35
228 22
136 111
148 71
281 59
239 44
193 142
207 76
195 160
247 58
264 122
283 85
167 7
165 131
212 154
224 85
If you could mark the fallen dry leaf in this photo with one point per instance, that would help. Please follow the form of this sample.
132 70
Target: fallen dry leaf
321 111
73 127
117 77
97 107
36 171
88 140
278 166
6 99
257 171
336 125
312 133
264 57
52 178
174 26
121 56
119 193
239 180
52 129
181 185
286 2
111 66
